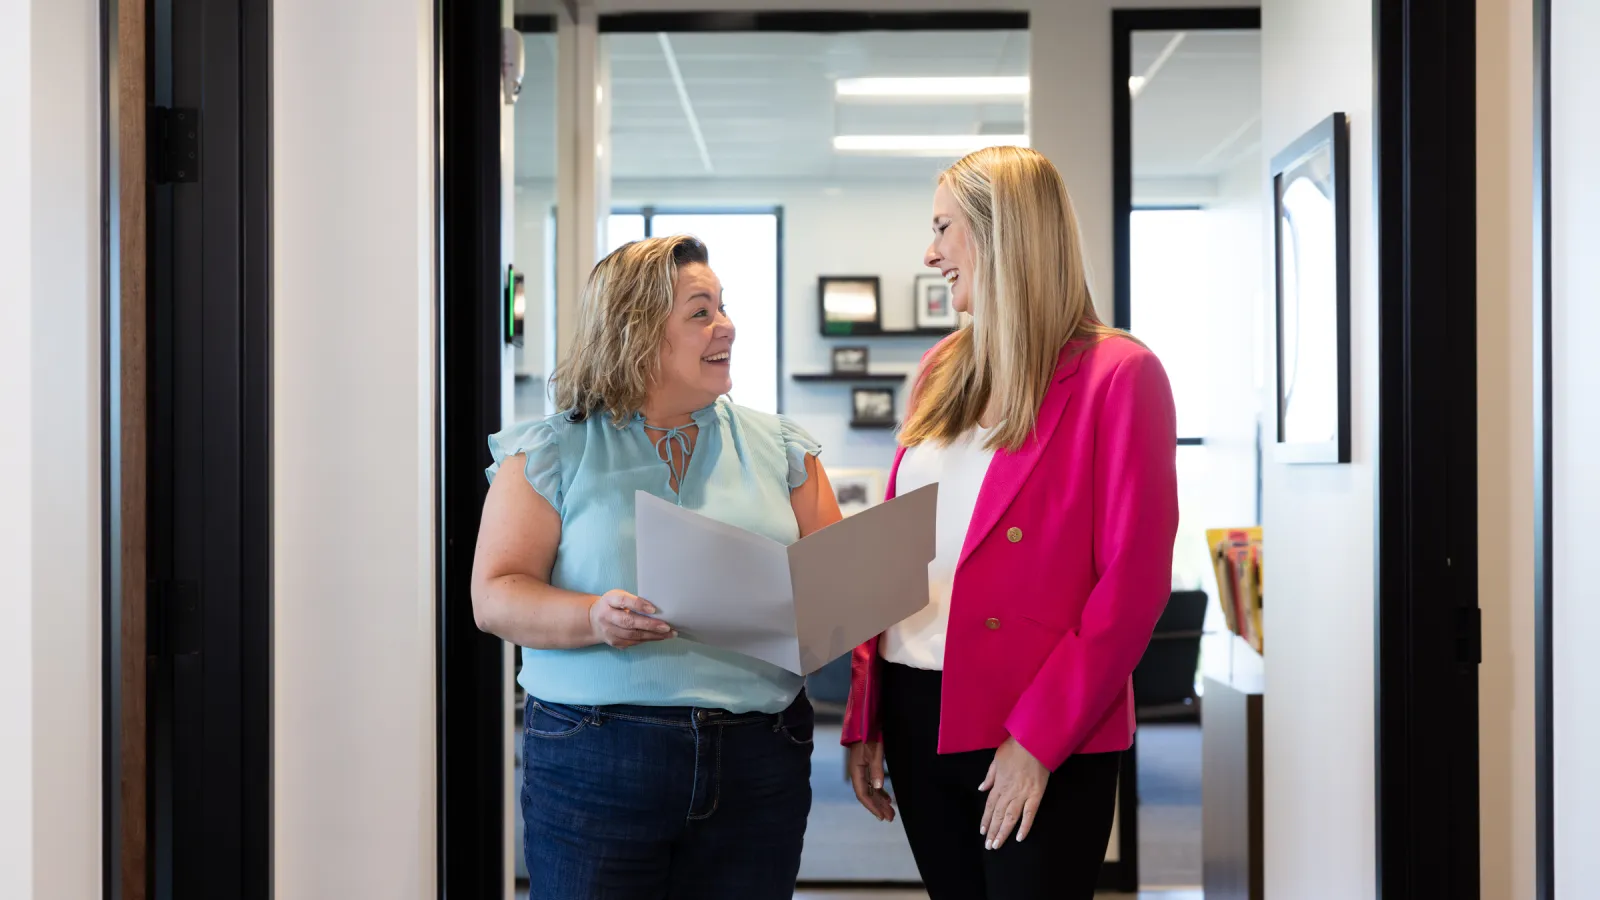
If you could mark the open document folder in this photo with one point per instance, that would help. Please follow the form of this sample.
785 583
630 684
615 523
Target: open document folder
800 606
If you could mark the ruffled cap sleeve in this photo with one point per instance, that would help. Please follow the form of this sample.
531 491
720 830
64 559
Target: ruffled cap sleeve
537 441
797 445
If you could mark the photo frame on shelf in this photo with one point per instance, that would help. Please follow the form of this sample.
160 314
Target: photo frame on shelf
857 489
849 360
872 407
1311 243
849 305
934 309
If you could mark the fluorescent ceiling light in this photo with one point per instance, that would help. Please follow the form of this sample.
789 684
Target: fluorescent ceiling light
942 88
1136 84
923 144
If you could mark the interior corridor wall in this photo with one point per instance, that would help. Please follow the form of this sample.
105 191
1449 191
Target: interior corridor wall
1575 320
1317 57
354 436
50 449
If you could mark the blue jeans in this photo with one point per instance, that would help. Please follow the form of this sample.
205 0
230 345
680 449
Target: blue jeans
662 803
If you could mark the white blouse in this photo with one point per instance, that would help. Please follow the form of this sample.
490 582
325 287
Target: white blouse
959 470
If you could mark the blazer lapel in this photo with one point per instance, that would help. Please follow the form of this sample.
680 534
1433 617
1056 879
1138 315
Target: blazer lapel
1009 471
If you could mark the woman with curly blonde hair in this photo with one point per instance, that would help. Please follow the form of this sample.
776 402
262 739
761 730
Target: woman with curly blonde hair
653 766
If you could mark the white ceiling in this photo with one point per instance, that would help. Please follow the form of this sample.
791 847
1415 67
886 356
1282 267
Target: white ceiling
1200 114
765 106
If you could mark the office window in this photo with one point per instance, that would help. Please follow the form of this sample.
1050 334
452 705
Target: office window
1171 257
622 227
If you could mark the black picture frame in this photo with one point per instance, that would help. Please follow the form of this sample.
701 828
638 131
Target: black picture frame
849 360
933 307
516 305
840 321
872 407
1312 342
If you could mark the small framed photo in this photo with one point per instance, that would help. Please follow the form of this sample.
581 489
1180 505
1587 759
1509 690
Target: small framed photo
857 489
849 305
935 311
872 407
849 360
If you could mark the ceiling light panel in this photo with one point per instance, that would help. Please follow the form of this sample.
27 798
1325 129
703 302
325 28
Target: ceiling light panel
933 89
923 144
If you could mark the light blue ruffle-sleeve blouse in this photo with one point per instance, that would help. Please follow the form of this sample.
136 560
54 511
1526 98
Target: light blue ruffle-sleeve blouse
743 467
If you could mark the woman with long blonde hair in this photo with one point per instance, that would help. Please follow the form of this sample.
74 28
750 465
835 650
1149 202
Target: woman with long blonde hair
653 767
1002 708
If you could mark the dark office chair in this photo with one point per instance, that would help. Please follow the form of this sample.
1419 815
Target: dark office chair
1163 682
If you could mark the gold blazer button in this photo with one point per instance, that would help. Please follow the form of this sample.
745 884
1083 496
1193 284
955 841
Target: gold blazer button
992 624
1014 534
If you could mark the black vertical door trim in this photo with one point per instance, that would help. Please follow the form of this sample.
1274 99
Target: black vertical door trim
210 632
1543 478
110 461
256 610
1426 641
472 722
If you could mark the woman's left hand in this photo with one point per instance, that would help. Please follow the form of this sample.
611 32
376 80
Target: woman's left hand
1015 786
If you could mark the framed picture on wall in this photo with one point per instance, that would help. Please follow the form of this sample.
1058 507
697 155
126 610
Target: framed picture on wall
849 360
849 305
857 489
872 407
1311 238
935 311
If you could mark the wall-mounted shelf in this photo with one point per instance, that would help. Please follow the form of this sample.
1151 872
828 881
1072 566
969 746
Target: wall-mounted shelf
896 333
847 378
877 426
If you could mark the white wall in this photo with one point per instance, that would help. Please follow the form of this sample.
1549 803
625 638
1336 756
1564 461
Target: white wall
1505 447
1575 232
1319 789
50 449
354 430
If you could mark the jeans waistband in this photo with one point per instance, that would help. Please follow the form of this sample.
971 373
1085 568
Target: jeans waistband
681 716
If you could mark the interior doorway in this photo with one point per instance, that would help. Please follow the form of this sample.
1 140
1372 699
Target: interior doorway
1189 224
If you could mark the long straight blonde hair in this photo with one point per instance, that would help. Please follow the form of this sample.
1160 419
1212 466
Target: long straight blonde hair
1029 298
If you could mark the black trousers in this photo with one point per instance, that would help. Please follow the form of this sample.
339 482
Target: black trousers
942 808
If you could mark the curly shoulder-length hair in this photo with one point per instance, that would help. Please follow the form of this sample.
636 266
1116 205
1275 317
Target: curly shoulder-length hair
623 315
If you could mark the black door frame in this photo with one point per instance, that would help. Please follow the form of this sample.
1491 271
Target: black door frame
209 561
1543 472
1427 641
471 722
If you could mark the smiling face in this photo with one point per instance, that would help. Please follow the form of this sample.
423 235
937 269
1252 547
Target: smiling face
696 348
951 250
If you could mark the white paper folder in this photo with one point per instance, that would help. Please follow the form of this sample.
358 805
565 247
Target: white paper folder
798 607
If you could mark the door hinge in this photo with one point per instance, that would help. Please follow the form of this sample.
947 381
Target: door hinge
1469 636
175 144
174 618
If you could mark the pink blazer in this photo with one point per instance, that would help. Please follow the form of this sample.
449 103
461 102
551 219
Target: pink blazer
1066 567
